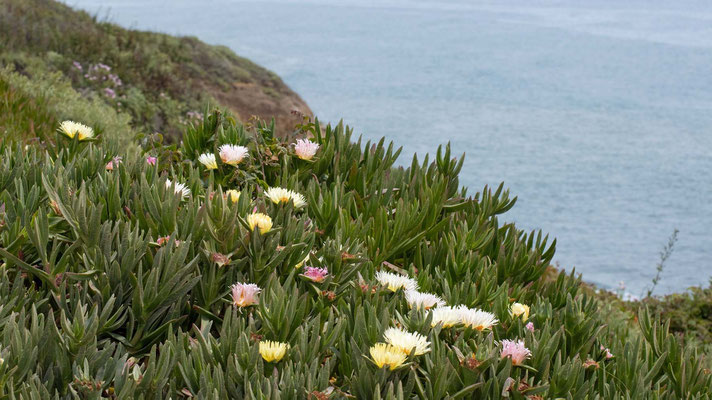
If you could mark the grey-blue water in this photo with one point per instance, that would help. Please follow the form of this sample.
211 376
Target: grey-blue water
597 114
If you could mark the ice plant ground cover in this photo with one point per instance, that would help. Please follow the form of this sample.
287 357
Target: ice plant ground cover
153 279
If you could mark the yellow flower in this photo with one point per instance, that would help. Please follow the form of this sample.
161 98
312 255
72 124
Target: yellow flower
261 221
301 263
387 355
406 341
71 129
520 309
233 195
273 351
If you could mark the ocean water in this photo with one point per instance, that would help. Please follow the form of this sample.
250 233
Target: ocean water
596 114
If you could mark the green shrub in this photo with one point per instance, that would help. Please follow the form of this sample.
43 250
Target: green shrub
23 116
118 285
690 313
48 98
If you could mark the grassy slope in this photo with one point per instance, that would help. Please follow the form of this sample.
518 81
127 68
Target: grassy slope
164 79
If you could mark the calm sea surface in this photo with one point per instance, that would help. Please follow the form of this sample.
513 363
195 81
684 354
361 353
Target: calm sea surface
596 114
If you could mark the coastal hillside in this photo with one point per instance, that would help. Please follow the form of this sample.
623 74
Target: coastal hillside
55 59
245 259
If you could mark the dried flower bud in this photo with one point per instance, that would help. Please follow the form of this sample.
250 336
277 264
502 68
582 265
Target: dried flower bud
219 259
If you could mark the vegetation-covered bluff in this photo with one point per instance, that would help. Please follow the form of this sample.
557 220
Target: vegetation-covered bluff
64 63
238 262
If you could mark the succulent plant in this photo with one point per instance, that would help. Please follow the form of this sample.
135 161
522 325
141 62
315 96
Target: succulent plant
152 280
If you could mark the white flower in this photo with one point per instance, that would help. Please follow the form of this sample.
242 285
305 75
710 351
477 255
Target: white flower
305 149
71 129
179 188
232 154
447 316
208 159
407 341
395 281
425 301
298 200
282 195
475 318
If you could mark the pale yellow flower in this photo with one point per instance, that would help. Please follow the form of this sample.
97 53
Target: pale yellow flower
406 341
261 221
208 159
282 195
387 355
233 195
273 351
301 263
518 309
71 129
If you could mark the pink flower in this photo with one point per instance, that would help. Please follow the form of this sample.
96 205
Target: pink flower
151 160
110 93
315 274
77 65
114 163
115 79
530 326
515 350
245 294
233 154
609 355
164 240
305 149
